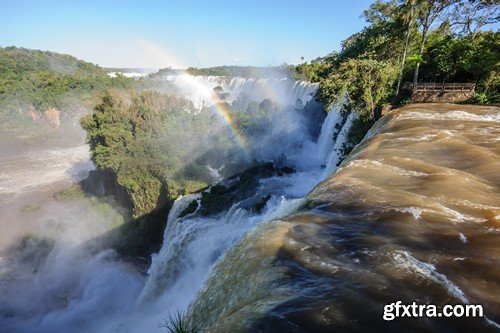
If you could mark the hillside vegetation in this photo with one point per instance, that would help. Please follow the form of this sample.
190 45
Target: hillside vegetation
32 82
409 41
159 146
255 72
412 41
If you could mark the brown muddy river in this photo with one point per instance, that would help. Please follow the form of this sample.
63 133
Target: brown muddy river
413 215
28 179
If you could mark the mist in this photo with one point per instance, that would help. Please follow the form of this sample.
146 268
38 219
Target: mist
284 115
57 271
52 275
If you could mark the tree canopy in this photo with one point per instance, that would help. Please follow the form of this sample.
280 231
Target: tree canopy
405 40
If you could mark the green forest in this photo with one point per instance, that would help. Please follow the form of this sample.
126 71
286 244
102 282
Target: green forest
32 81
159 145
411 41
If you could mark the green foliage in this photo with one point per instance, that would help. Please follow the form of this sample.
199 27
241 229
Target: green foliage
364 84
414 58
105 207
107 210
179 323
159 146
73 192
446 56
140 138
30 208
473 58
243 71
490 85
256 119
399 36
364 72
42 79
480 98
34 81
462 59
313 72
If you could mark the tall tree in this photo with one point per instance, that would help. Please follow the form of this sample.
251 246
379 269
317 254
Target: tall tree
428 13
407 9
470 16
364 83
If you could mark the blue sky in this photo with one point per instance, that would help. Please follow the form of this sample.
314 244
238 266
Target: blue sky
182 33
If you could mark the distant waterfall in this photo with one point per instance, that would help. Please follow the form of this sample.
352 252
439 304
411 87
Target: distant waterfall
199 89
104 293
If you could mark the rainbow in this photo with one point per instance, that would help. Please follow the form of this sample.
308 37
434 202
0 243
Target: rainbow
225 114
221 108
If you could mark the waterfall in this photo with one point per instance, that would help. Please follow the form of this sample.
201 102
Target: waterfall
373 234
109 290
199 89
325 139
194 244
336 151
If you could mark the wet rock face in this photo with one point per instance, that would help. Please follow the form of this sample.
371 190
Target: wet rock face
190 209
104 183
411 215
244 185
34 114
53 117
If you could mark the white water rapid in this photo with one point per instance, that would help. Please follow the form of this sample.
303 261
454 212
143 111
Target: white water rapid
75 289
192 244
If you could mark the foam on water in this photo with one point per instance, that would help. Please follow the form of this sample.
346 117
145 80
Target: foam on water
192 245
406 261
453 115
411 220
35 169
78 289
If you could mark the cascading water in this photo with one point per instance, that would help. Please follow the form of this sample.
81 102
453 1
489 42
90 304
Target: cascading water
291 253
199 89
80 290
335 155
393 223
192 244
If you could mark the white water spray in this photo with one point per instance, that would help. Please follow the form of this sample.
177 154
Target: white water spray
98 293
199 89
